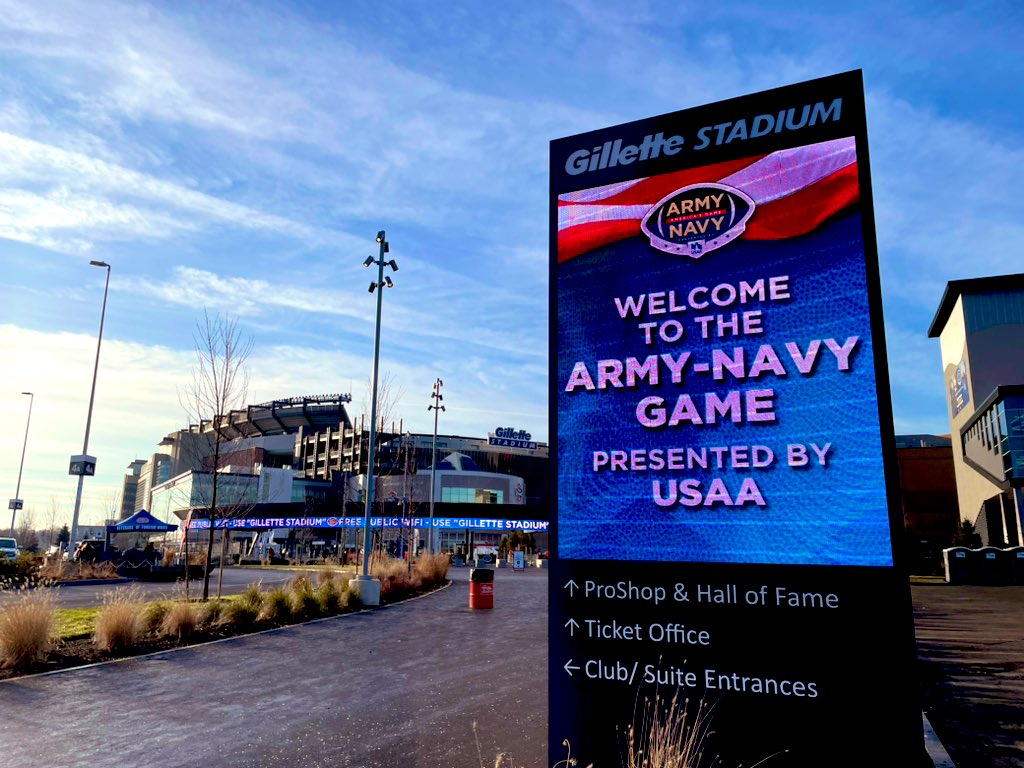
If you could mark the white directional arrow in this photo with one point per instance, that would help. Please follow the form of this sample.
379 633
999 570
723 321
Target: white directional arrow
571 586
569 667
573 626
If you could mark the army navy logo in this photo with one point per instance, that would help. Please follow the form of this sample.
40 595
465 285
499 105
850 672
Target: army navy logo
698 219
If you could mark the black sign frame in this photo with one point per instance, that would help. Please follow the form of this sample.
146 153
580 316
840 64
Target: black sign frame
861 659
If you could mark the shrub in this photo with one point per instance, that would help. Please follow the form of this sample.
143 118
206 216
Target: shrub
276 606
432 569
180 620
155 614
18 571
27 628
324 575
121 620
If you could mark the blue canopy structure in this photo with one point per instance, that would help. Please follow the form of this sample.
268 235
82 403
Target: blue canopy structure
141 521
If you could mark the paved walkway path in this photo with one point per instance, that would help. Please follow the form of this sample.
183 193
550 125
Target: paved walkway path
392 688
235 580
970 641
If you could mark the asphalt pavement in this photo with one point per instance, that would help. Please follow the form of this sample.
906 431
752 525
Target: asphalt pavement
395 687
235 581
970 642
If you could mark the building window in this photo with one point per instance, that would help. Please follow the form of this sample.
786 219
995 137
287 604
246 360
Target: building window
472 496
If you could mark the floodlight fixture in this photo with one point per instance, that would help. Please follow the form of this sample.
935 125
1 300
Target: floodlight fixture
373 286
380 236
99 264
393 265
368 262
388 282
387 247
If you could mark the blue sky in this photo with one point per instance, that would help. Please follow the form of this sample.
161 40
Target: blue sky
241 157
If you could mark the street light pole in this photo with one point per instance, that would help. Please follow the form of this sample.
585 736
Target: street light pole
88 418
437 397
365 586
16 502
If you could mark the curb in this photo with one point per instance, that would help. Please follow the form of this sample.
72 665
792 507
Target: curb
936 752
90 582
360 612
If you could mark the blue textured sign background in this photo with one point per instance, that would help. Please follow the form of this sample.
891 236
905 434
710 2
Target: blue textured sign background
825 516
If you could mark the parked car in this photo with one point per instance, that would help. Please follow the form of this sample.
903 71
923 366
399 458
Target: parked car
9 548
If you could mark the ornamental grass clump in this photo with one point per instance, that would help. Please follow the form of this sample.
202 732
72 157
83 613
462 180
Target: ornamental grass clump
252 598
181 620
121 622
277 607
303 598
671 735
154 615
329 596
212 611
393 575
245 609
432 570
28 625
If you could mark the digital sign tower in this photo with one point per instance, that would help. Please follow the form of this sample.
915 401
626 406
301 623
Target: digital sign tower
724 558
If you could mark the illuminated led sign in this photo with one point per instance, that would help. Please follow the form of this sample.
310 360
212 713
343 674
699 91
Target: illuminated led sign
724 463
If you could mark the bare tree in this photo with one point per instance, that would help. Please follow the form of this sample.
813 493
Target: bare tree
389 394
220 384
50 520
25 533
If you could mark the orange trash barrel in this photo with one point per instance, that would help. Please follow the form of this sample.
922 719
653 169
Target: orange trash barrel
481 588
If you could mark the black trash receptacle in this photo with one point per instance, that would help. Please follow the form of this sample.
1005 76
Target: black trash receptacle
481 588
957 565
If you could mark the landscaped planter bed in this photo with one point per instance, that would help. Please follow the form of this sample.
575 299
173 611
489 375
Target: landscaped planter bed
146 622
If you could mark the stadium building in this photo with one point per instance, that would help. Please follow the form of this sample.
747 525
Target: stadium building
292 474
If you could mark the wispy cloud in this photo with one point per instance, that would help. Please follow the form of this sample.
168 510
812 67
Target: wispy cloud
69 201
455 300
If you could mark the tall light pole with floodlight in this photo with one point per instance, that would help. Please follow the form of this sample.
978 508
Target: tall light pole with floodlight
437 397
16 503
85 465
364 585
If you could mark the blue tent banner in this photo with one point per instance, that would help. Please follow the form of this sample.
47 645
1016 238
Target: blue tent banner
141 521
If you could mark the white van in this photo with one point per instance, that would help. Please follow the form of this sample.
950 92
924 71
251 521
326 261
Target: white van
9 548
